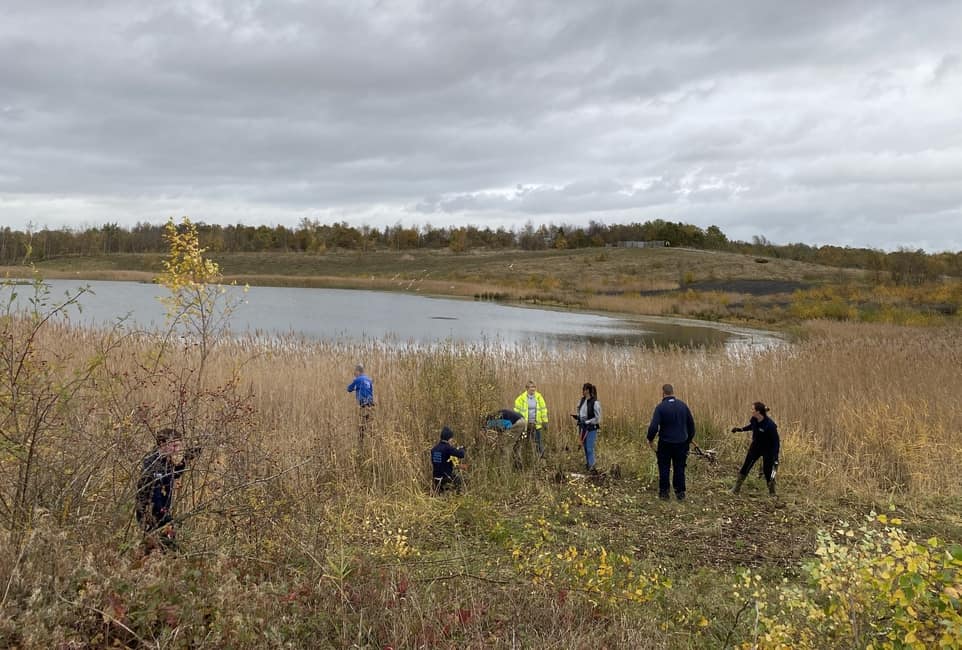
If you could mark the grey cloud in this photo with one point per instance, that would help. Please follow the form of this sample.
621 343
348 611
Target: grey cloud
949 65
402 108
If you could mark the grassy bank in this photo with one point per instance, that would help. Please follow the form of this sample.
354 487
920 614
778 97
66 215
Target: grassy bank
706 285
641 281
292 535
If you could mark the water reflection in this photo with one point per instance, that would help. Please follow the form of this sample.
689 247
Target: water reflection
402 319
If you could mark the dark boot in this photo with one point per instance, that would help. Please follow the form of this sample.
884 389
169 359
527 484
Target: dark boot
738 484
771 487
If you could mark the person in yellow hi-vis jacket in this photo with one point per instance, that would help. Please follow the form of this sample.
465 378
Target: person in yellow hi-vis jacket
530 404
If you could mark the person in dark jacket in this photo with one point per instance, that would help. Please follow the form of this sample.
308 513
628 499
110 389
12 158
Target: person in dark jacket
674 425
765 445
159 471
363 389
444 474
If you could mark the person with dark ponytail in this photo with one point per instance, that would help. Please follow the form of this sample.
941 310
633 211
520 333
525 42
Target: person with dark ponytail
588 416
765 445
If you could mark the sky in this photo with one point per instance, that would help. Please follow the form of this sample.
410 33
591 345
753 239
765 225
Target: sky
822 122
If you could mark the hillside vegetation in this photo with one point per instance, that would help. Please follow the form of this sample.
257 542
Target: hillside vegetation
701 284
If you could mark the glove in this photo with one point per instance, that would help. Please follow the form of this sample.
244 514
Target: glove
544 428
735 429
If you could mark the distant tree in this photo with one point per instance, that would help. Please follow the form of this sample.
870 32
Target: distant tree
531 239
715 239
459 240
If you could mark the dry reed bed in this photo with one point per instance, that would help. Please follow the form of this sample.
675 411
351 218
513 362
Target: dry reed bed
864 410
860 407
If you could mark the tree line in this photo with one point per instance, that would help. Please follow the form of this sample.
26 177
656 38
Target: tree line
311 236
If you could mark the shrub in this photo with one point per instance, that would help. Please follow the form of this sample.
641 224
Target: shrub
870 588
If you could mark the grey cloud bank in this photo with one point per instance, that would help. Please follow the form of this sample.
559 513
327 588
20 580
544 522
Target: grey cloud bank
815 122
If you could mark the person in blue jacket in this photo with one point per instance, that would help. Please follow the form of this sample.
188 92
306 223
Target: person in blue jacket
444 474
512 424
765 445
674 425
504 420
363 389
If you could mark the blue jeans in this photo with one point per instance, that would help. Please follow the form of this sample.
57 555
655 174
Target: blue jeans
535 433
588 439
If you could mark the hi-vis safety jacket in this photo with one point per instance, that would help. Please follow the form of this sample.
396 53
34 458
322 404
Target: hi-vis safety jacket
521 406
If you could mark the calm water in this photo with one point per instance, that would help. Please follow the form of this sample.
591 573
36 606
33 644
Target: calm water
338 314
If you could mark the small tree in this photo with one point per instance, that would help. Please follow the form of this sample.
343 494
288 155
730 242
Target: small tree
198 304
35 393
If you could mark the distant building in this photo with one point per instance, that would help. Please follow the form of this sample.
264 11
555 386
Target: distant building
655 243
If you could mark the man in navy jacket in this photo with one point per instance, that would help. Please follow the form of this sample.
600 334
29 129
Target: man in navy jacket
674 425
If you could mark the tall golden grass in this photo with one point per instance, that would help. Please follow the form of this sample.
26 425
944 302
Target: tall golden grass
861 408
867 410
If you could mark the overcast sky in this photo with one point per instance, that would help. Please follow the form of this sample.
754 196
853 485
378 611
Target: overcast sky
819 121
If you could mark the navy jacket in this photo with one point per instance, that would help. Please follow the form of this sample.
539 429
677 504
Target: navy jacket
672 421
764 432
155 489
441 456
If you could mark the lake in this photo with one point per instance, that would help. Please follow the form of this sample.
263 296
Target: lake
357 316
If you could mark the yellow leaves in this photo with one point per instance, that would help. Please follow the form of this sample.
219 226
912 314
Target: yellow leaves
883 579
186 265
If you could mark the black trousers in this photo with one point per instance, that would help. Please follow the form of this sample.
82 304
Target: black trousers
769 456
448 482
672 454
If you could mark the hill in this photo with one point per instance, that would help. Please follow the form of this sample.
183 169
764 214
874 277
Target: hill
668 281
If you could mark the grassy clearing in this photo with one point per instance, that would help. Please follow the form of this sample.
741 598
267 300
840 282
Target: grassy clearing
293 536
